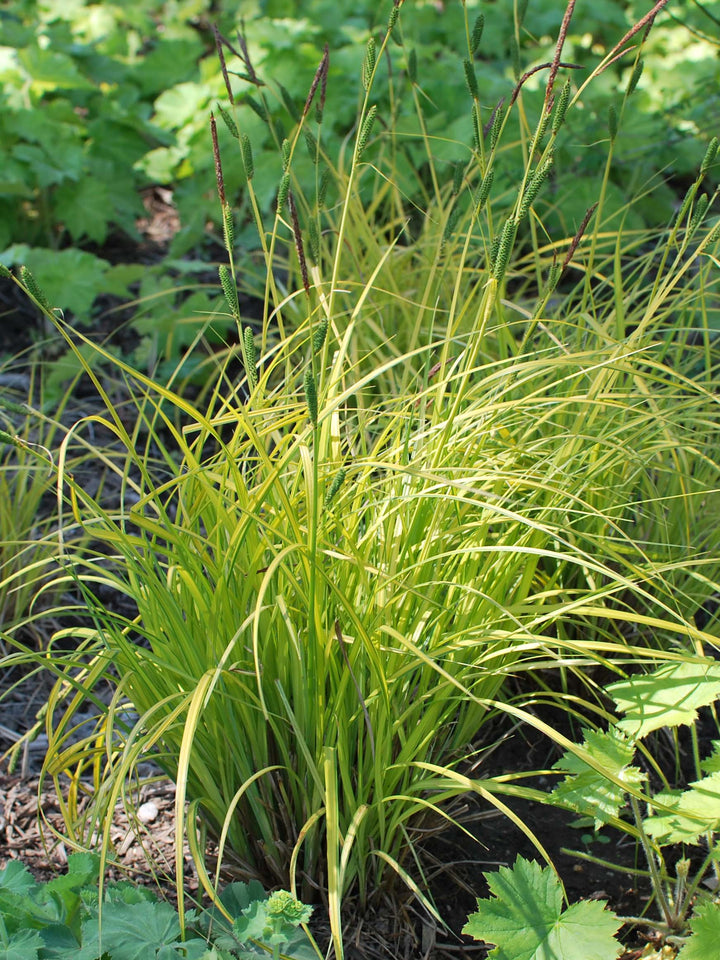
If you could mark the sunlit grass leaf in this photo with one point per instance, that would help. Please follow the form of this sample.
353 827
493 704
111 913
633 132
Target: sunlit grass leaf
705 937
696 811
589 792
668 697
711 763
526 919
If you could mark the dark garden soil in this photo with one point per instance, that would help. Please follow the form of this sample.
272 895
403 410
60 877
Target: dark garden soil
31 822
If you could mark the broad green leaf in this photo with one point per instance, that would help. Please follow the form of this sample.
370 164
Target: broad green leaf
137 931
590 793
526 920
16 878
705 936
668 697
695 811
23 945
51 71
711 763
71 279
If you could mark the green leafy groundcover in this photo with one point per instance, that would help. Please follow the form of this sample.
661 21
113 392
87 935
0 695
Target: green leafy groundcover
66 919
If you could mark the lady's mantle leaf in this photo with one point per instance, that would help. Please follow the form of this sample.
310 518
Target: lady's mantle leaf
667 697
590 793
705 926
695 812
526 920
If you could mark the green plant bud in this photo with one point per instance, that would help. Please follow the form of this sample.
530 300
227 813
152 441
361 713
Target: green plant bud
393 19
541 127
476 127
290 104
553 279
365 130
612 122
507 238
332 490
323 187
496 126
34 289
484 191
494 247
283 190
230 290
250 357
533 188
451 224
477 32
698 213
369 63
709 157
635 76
257 107
471 79
412 66
319 335
228 228
247 156
311 396
312 145
4 272
285 154
314 239
561 107
229 122
458 173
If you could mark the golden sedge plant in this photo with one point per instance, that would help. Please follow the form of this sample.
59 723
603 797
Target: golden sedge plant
415 481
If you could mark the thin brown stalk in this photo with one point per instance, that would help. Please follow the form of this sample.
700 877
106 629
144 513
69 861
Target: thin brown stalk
577 238
223 65
541 66
555 65
218 164
646 21
299 246
320 78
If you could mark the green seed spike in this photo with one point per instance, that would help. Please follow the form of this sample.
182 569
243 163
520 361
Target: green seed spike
635 77
285 150
553 279
312 145
323 187
334 487
476 127
612 123
250 357
230 290
471 79
561 108
699 212
365 130
283 190
394 14
319 335
541 128
496 126
507 238
412 66
709 157
311 396
314 239
257 107
34 289
290 104
533 188
369 63
458 172
477 32
484 191
451 224
685 205
229 122
247 156
228 228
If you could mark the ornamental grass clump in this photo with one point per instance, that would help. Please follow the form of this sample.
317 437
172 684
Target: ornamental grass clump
453 453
